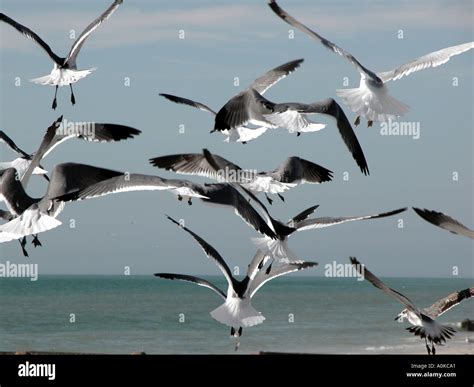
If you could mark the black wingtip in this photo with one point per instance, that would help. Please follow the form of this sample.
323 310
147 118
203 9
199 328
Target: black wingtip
354 261
173 220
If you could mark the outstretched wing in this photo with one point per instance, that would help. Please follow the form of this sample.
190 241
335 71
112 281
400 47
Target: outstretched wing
189 102
267 80
308 224
76 47
374 280
444 304
444 221
25 31
264 276
194 280
210 252
433 59
326 43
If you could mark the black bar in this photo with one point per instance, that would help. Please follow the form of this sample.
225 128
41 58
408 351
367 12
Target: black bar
380 370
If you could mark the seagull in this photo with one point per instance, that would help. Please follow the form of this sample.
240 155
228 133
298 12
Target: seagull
371 99
21 163
423 321
293 171
242 132
71 181
278 249
444 221
237 310
65 70
55 134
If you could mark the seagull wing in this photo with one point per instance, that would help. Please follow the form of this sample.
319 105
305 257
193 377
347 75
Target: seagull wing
57 133
194 280
380 285
308 224
298 169
270 78
189 102
11 144
444 221
210 252
303 215
433 59
123 182
326 43
76 47
446 303
200 164
25 31
263 277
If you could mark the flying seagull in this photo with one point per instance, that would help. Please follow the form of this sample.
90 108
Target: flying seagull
278 248
422 320
65 70
293 171
371 99
237 310
242 132
71 181
56 133
444 221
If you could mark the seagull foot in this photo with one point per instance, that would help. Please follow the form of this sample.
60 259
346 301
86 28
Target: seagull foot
36 242
55 104
433 350
190 202
370 123
180 198
73 99
357 121
298 134
22 245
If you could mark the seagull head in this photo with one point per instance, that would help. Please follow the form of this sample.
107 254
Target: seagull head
402 315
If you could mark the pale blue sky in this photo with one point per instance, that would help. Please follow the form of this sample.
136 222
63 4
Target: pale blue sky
223 40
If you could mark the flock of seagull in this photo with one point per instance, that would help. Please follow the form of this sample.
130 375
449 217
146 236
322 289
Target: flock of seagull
243 118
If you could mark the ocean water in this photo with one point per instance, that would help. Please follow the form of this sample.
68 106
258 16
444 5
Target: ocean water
142 313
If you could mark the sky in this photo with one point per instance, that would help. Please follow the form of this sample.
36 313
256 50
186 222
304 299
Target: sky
223 40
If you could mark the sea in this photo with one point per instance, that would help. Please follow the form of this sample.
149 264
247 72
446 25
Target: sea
129 314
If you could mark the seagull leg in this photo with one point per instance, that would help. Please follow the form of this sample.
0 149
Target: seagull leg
244 142
370 123
427 347
270 201
237 344
357 121
298 134
22 245
73 99
232 332
36 242
281 197
269 268
433 350
190 202
180 198
55 103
